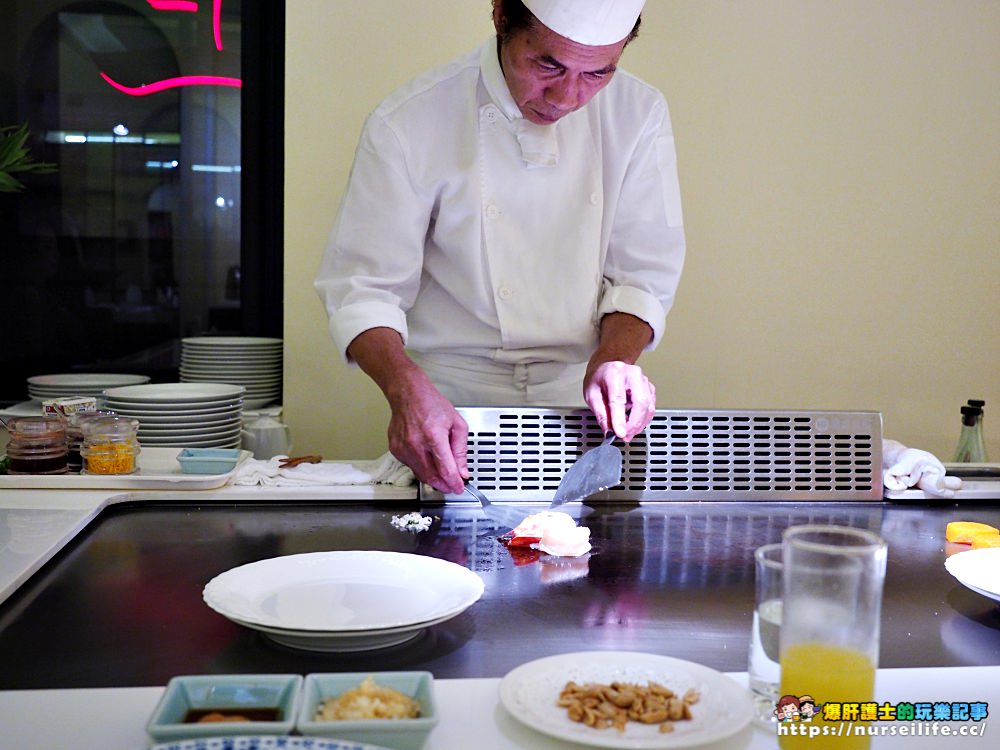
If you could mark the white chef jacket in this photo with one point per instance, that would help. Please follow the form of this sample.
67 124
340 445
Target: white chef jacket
475 233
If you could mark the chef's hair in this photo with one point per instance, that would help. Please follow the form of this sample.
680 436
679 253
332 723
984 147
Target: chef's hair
516 17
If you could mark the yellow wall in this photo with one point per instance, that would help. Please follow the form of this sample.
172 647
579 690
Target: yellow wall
840 170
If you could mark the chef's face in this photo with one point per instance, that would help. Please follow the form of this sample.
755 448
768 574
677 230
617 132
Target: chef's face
550 76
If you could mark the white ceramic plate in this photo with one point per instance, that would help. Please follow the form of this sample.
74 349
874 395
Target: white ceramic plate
86 379
266 371
346 641
174 393
212 342
182 442
343 592
222 356
222 433
228 409
263 742
978 569
152 428
529 693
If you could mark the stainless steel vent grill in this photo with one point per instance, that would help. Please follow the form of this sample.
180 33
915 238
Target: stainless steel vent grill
521 454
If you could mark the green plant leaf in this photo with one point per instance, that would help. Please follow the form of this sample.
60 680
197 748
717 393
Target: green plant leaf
15 157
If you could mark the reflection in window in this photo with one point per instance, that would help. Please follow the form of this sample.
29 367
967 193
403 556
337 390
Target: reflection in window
134 242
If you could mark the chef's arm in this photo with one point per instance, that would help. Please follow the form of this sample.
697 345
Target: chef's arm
425 431
614 387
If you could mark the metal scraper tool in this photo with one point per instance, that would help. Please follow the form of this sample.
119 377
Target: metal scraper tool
505 516
594 471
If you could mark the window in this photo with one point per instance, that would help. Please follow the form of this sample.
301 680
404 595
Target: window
163 216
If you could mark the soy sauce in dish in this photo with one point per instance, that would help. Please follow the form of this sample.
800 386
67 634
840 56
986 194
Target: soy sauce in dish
205 715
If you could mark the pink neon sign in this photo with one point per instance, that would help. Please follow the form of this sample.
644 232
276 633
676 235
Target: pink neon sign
184 6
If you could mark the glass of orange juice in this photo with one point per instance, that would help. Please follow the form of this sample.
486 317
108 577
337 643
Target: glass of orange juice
831 613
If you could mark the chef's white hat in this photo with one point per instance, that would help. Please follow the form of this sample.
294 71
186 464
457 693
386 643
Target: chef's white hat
592 22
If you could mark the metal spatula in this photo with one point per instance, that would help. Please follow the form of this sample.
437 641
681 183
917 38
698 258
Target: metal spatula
505 516
594 471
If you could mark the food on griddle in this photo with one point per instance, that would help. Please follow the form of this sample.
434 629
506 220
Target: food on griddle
965 532
601 705
551 532
368 701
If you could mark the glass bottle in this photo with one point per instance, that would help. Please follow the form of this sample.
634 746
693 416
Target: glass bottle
970 448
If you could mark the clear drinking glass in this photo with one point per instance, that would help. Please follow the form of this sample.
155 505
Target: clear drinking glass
831 613
764 669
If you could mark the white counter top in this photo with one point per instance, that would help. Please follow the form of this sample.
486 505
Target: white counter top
471 716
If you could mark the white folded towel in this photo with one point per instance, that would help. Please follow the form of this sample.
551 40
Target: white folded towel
910 467
383 470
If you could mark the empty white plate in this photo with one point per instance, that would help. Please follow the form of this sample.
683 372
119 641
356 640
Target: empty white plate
978 569
319 595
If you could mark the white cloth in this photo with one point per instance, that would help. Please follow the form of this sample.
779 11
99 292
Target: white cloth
383 470
910 467
453 235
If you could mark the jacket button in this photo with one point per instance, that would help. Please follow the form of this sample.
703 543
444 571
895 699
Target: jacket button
594 199
492 212
505 292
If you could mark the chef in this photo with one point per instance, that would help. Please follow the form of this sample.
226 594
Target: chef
511 233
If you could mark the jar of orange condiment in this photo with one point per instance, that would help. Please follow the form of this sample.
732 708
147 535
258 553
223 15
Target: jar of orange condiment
110 445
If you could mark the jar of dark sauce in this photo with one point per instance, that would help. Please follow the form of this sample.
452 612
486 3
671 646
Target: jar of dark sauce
37 445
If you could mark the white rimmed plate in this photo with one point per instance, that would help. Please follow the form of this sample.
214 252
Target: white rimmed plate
343 592
977 569
182 442
233 425
87 379
263 742
529 693
197 433
345 641
214 412
212 342
174 393
154 428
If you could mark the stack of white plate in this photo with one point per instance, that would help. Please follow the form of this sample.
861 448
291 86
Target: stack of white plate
70 384
255 363
187 415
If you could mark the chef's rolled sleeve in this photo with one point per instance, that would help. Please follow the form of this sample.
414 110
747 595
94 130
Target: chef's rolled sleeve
350 321
641 304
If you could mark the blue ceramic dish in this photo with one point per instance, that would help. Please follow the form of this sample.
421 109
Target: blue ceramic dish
208 460
186 698
397 734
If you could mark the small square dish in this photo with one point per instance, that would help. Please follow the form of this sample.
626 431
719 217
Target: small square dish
220 705
394 733
208 460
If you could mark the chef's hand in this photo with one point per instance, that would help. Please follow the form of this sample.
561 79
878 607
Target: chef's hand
615 388
425 432
622 398
428 434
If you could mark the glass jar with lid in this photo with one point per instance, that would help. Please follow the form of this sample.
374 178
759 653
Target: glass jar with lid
37 445
110 445
74 434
